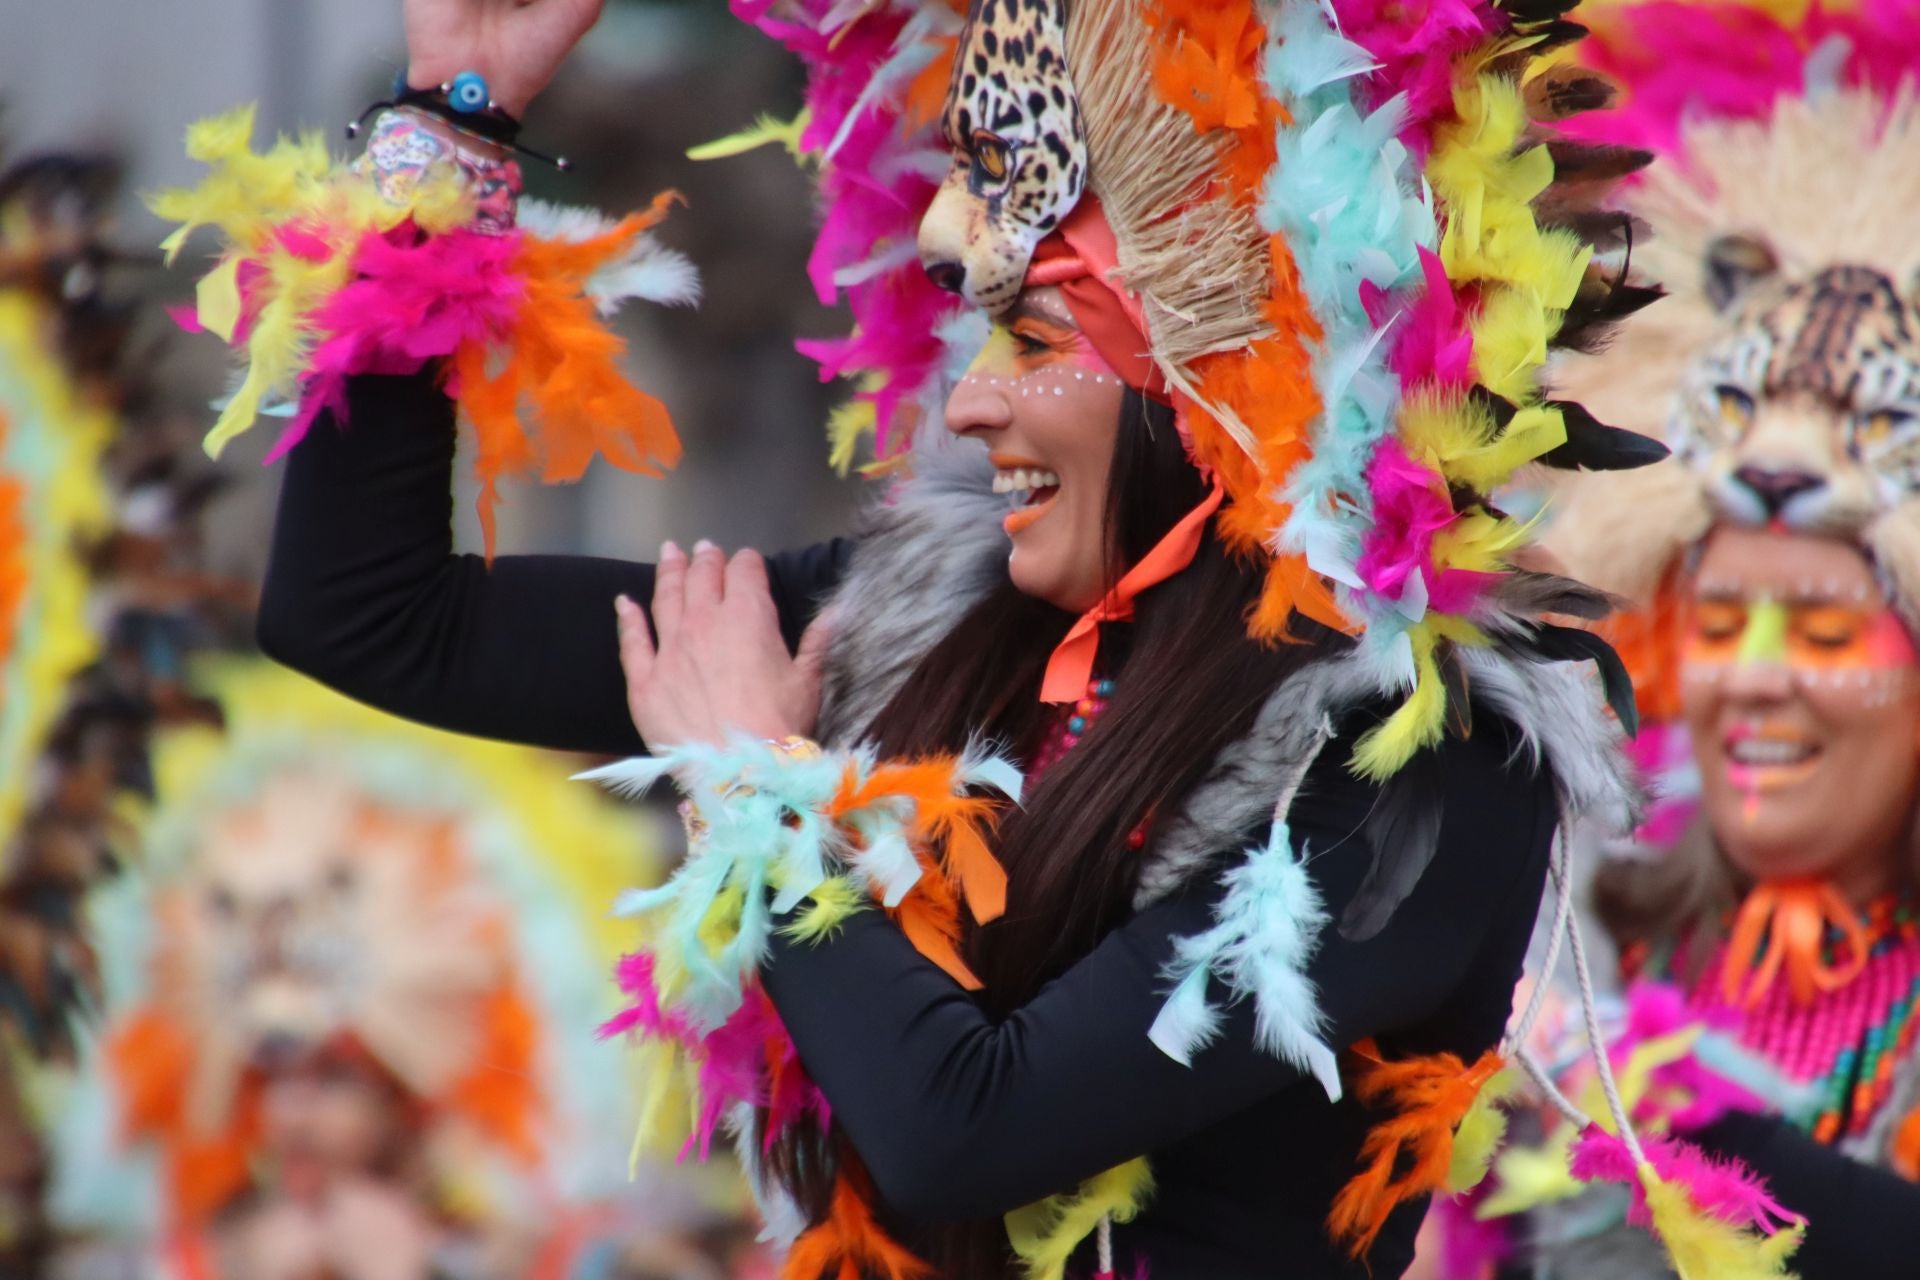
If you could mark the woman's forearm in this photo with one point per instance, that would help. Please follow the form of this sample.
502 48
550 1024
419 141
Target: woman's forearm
365 593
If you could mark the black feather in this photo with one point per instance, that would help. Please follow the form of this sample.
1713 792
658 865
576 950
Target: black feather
1607 230
1592 445
1595 162
1404 831
1528 595
1561 92
1590 320
1571 644
1453 678
1526 12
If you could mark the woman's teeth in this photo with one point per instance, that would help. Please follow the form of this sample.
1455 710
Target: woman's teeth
1769 751
1023 480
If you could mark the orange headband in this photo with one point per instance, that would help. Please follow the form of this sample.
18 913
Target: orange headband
1080 259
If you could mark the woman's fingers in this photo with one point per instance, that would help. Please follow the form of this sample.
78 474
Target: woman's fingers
669 591
706 584
636 641
747 586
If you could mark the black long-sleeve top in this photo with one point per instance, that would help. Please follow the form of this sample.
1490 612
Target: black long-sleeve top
955 1115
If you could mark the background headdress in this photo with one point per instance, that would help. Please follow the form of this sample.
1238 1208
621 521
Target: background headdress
1348 231
323 875
1790 146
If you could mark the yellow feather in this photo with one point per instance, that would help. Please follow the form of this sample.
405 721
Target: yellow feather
1702 1247
762 132
1045 1234
1481 1131
832 903
845 426
1532 432
721 924
1528 1177
217 299
1417 723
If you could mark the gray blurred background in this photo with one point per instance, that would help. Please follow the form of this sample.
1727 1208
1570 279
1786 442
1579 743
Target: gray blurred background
653 79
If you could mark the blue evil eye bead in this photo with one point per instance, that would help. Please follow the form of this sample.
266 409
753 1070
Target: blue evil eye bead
468 92
1078 724
1103 689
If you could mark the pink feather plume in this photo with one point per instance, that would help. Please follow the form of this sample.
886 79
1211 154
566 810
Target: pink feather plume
1723 1189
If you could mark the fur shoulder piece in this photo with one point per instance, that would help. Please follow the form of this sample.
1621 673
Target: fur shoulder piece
923 556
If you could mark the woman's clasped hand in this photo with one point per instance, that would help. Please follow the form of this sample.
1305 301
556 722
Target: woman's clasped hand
713 663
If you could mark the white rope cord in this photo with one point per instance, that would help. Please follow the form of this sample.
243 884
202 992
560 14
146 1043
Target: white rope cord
1103 1244
1560 865
1543 1079
1608 1085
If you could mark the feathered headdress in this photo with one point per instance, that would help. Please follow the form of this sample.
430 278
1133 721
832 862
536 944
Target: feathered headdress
325 877
1348 231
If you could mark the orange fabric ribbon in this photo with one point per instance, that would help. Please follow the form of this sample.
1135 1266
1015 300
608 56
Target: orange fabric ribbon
1081 259
1790 916
1071 666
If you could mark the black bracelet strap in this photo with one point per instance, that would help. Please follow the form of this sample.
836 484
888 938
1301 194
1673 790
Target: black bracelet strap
490 122
464 104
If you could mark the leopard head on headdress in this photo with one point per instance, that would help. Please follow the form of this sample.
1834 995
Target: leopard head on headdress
1806 411
1019 151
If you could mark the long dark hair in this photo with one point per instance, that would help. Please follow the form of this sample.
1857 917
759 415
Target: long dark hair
1187 681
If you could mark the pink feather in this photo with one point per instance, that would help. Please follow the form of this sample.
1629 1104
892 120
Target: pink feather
1723 1189
1415 46
1431 341
1684 61
1410 505
871 197
411 300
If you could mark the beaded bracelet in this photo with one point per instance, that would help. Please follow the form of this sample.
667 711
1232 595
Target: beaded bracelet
402 151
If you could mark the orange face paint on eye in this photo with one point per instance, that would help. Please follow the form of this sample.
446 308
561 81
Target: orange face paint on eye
1813 636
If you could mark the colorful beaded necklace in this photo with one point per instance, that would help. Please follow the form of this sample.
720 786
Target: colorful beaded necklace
1845 1042
1066 731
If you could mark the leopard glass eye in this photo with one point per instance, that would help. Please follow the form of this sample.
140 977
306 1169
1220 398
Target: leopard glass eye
1883 429
990 156
1736 406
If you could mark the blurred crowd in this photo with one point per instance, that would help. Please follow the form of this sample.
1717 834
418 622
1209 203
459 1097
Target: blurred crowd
269 997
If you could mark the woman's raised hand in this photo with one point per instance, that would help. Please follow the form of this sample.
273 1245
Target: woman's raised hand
516 44
719 665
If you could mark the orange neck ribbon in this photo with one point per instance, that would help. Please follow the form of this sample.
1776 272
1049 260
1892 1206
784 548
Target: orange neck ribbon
1790 916
1071 666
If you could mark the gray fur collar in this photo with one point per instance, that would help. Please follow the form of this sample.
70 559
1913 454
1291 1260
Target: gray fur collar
934 547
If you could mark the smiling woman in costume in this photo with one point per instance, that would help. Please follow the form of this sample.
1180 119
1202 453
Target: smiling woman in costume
1767 907
1204 571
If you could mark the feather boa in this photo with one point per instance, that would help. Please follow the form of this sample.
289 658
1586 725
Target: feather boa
804 836
52 498
1267 927
321 279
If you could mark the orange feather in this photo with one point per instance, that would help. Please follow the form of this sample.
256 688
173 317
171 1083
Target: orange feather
562 362
1409 1152
849 1244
